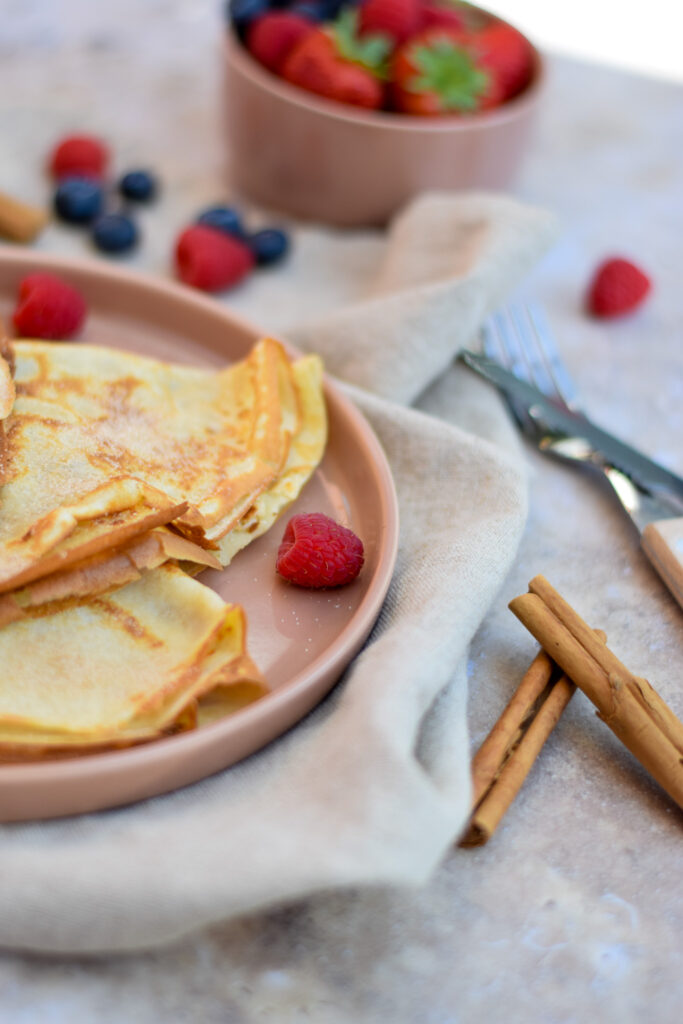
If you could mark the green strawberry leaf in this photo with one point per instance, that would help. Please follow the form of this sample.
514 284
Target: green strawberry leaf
370 52
450 72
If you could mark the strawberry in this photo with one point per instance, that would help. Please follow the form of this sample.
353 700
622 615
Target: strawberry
434 73
617 287
397 19
434 14
272 36
504 52
337 64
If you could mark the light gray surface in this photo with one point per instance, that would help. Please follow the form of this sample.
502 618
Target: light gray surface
574 911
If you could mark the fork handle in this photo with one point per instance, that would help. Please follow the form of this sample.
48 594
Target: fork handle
662 542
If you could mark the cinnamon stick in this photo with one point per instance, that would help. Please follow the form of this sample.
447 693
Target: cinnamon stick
488 814
628 704
507 731
508 753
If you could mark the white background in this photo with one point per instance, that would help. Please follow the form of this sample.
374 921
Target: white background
643 37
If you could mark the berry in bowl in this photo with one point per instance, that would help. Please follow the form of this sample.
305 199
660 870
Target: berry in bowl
341 112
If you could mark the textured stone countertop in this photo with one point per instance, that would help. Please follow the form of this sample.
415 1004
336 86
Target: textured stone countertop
574 912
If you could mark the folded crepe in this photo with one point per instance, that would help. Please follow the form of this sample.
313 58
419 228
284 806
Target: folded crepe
107 570
104 449
126 667
116 471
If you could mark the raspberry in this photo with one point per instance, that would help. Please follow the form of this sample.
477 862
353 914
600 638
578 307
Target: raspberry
48 308
318 552
80 155
617 287
210 259
271 37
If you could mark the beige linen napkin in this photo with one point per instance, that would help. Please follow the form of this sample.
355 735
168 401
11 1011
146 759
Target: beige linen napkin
373 786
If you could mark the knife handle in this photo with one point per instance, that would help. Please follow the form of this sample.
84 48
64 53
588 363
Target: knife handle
662 542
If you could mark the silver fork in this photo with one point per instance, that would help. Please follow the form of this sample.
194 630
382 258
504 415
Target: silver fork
519 340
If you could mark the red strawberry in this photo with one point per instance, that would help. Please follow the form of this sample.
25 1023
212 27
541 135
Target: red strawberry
48 308
506 54
434 73
434 14
80 155
317 552
210 259
273 35
617 287
315 65
397 19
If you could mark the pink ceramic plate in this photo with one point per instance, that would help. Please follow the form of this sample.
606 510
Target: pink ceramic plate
302 640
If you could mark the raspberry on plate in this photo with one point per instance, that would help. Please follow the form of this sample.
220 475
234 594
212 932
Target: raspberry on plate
48 308
617 287
82 155
318 552
210 259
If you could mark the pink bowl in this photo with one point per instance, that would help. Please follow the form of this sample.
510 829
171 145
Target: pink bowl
315 159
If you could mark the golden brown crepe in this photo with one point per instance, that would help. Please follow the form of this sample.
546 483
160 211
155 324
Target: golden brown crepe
104 446
120 668
102 572
305 452
117 470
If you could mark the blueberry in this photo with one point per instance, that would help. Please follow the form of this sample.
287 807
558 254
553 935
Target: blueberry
269 246
223 218
78 200
114 232
140 186
242 12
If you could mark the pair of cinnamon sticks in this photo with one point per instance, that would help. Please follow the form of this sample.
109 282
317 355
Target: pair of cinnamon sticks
572 655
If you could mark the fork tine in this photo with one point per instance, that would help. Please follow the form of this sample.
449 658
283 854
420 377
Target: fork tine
505 345
519 337
531 353
555 368
499 344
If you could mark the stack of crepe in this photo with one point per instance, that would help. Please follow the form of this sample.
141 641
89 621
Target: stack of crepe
122 477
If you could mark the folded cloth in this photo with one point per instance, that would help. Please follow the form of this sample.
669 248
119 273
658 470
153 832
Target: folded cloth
373 786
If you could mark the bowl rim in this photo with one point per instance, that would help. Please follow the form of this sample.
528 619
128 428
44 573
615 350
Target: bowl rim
241 60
